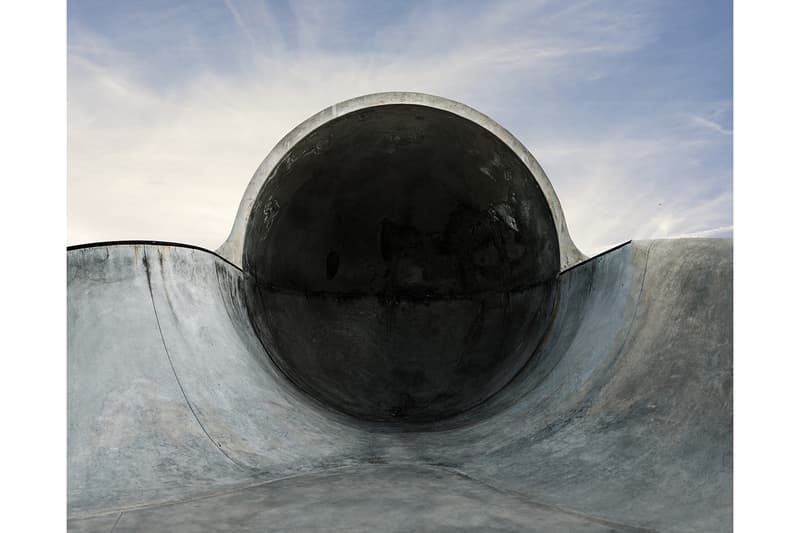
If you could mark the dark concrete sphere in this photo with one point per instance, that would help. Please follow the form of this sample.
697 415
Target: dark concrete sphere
401 263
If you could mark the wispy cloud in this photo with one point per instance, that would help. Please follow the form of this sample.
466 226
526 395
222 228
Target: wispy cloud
240 22
162 145
634 187
710 125
722 231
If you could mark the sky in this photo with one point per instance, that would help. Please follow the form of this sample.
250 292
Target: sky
172 105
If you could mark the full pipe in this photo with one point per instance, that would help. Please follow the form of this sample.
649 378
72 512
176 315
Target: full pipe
399 334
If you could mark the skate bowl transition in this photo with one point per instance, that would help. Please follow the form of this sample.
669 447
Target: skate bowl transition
400 335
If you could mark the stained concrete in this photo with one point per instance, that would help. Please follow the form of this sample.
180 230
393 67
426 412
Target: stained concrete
369 498
402 259
429 354
233 246
623 413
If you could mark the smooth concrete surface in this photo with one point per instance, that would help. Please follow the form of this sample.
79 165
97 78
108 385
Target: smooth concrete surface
370 498
621 418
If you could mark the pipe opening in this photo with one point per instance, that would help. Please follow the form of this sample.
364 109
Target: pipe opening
402 263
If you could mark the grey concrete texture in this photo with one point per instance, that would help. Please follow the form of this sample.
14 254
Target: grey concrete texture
232 249
402 498
400 335
400 263
179 419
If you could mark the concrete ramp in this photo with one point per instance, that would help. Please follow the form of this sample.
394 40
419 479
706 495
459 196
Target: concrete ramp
621 419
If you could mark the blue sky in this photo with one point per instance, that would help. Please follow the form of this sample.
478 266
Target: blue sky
173 105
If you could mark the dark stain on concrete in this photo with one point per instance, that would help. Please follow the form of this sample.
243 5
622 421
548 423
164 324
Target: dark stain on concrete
397 257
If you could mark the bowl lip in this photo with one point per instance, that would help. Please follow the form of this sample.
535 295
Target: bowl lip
233 247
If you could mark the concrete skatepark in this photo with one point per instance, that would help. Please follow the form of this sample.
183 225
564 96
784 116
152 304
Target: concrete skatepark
400 335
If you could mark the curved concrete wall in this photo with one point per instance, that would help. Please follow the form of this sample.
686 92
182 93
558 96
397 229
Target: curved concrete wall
413 342
399 259
621 421
233 247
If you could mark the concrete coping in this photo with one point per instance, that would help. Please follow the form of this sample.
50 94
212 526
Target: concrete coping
233 246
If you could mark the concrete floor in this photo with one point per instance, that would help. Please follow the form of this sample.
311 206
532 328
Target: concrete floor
367 498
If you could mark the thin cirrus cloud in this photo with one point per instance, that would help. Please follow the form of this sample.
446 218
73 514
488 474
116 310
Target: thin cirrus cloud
172 106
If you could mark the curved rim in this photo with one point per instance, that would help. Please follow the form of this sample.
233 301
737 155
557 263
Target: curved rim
233 246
